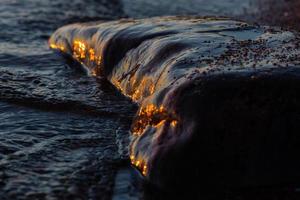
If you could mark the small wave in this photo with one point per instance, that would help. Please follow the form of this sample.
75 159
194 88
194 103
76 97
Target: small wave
210 91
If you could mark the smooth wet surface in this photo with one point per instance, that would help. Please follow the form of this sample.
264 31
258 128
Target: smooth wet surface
61 129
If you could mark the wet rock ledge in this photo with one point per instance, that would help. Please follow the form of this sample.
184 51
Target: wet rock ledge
219 100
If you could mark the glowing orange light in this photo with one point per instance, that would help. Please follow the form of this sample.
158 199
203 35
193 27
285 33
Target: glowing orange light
152 89
54 46
140 164
136 95
137 163
144 88
92 55
79 49
144 170
174 123
162 122
132 158
93 73
154 116
83 54
98 60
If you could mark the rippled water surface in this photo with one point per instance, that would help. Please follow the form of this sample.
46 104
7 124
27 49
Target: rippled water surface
58 126
60 129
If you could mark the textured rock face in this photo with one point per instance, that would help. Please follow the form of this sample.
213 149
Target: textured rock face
219 99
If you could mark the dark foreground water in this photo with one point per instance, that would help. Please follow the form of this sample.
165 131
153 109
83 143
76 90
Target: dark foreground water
63 134
58 126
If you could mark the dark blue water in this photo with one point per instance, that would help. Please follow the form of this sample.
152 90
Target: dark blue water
61 130
58 126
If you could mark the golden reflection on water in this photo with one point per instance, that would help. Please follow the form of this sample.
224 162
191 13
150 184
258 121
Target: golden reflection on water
174 123
138 90
149 115
144 88
92 55
54 46
82 54
139 164
79 49
156 117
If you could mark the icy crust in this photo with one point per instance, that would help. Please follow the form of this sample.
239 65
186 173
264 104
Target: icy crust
216 96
